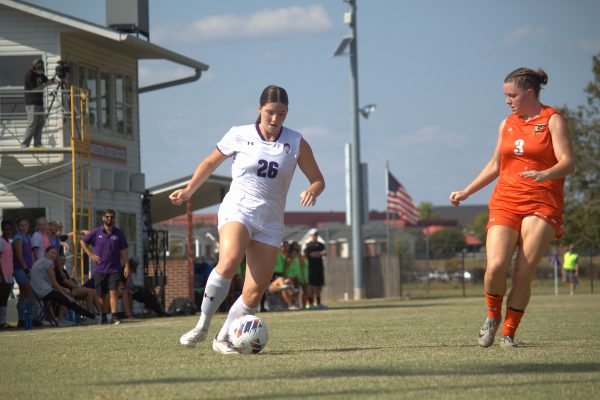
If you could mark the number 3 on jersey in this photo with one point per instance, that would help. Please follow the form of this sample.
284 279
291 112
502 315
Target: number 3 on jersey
267 169
519 147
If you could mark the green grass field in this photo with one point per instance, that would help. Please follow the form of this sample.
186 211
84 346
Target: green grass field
370 349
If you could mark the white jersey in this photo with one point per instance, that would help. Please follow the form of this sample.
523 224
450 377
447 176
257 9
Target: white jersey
262 172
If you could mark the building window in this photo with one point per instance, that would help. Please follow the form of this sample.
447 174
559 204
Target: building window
105 93
128 224
124 105
88 80
12 79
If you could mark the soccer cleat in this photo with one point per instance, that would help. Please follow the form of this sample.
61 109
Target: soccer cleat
223 347
487 332
506 342
192 337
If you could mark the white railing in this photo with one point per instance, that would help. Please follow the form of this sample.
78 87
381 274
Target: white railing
13 117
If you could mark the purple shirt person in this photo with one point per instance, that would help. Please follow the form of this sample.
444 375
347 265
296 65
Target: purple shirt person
107 245
107 248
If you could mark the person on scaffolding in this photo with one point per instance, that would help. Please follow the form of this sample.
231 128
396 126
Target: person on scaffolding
35 82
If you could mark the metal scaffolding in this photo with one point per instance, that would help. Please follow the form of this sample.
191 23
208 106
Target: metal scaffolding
73 109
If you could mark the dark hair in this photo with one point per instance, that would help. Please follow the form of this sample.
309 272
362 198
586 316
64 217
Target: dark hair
50 248
6 222
20 219
526 78
109 211
272 94
36 62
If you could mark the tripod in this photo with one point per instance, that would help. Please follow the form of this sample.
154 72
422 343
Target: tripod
61 90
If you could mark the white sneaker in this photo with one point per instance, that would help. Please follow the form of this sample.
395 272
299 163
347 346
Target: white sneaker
223 347
487 332
506 342
192 337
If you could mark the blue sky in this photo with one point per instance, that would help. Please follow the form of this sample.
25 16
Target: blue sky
434 68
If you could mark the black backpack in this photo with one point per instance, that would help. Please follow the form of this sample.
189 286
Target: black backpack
182 306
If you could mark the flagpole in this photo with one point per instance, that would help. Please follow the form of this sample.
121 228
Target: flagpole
387 188
387 216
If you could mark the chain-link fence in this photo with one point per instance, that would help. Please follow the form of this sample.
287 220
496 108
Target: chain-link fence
449 275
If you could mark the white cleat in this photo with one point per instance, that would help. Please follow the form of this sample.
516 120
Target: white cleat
192 337
506 342
223 347
487 332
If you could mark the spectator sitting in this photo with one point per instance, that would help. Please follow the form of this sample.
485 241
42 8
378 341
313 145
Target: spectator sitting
284 287
77 291
45 286
141 294
280 285
296 269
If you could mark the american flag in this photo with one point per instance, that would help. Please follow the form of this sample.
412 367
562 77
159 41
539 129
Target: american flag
399 201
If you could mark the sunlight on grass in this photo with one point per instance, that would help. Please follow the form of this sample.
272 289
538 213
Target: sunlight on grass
368 349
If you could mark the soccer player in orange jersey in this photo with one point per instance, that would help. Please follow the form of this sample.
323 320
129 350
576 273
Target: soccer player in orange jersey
532 157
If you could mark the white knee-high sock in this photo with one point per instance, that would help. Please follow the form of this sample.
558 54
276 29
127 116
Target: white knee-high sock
215 292
238 309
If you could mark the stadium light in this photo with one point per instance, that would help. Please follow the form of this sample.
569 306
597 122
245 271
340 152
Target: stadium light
341 49
367 110
356 202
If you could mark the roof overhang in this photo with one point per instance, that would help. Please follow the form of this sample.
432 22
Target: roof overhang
114 40
210 193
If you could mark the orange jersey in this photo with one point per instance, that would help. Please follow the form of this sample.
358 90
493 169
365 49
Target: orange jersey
527 145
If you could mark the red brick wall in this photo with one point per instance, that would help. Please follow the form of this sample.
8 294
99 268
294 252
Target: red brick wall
177 281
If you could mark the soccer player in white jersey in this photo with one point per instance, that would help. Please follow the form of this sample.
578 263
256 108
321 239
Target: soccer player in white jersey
264 157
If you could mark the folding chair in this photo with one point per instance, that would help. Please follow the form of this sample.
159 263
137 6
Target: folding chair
47 313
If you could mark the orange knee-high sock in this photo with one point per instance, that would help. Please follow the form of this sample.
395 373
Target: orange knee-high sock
511 322
494 305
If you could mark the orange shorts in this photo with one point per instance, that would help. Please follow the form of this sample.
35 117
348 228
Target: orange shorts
505 218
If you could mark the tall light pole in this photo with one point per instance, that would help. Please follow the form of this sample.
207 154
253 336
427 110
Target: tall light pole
356 198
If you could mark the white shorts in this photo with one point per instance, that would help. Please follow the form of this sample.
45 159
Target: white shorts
269 233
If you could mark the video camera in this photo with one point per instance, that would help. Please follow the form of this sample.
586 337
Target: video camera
62 69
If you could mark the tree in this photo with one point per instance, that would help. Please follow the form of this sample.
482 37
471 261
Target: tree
582 190
446 242
478 226
404 249
426 212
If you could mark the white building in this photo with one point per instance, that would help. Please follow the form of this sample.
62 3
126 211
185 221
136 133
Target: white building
105 62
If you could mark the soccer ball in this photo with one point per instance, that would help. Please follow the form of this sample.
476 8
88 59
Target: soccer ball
248 334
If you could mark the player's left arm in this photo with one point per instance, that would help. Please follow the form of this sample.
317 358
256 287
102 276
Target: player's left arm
563 151
308 165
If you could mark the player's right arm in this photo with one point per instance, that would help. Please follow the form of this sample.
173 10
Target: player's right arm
485 177
94 257
202 173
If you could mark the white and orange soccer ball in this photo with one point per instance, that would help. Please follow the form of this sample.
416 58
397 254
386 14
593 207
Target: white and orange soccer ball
248 334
